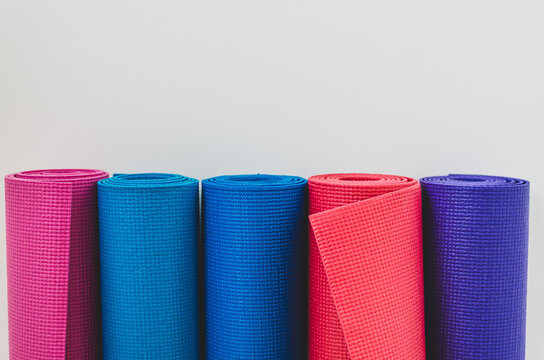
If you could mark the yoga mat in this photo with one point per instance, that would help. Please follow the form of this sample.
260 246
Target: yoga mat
52 259
254 231
365 268
475 241
148 266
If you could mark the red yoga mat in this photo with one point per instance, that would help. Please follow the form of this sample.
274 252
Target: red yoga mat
365 268
52 258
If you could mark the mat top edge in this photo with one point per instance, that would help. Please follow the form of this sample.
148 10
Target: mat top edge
368 180
473 181
58 175
255 181
147 180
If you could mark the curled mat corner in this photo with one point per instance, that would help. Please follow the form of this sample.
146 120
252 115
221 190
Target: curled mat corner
365 268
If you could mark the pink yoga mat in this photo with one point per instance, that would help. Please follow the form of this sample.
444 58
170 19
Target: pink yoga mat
52 258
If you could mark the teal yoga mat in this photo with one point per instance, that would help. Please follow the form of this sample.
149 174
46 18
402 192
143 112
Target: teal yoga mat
148 263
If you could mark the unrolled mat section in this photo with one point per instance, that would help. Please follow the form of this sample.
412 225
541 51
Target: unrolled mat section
365 268
52 261
149 264
475 241
254 232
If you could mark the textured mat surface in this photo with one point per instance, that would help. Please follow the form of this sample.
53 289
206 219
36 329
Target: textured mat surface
255 229
365 268
148 266
475 236
52 258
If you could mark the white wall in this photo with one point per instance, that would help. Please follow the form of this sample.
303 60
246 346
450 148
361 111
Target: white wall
298 87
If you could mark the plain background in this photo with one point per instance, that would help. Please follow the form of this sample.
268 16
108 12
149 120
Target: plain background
204 88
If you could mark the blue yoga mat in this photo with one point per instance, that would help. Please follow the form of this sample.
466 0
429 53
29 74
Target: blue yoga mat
475 249
148 227
254 232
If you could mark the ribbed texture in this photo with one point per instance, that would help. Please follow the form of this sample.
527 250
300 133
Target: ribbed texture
52 258
365 268
254 229
475 235
148 266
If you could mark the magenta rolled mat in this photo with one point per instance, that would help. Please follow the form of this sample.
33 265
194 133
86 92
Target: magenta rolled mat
52 258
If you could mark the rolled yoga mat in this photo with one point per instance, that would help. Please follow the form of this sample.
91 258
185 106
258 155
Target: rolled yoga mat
254 232
148 266
52 259
475 236
365 268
